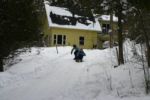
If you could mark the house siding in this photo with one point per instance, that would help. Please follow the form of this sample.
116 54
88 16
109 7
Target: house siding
72 37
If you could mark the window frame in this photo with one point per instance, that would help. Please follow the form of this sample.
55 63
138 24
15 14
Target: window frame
105 28
81 40
56 39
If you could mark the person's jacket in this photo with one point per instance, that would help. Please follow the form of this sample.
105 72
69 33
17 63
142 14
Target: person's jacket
75 49
81 53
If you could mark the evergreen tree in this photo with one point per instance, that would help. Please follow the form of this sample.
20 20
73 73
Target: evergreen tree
141 26
19 26
78 7
117 7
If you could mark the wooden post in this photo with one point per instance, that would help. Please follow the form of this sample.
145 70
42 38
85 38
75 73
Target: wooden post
117 56
56 49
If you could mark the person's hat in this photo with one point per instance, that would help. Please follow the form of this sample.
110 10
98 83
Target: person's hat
74 45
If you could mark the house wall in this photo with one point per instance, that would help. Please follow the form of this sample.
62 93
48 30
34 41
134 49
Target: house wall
115 24
105 36
72 37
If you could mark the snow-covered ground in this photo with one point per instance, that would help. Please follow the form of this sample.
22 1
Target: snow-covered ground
45 75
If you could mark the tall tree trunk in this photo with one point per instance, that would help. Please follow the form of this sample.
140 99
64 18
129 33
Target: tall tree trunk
148 49
111 27
120 36
145 35
1 65
148 55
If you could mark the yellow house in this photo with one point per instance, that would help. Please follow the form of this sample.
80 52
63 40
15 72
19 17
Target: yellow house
68 31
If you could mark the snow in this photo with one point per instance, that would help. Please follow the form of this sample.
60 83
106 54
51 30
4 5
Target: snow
107 18
63 11
42 74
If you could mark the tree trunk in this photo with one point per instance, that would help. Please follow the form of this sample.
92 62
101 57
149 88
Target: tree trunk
111 33
148 49
120 37
146 40
1 65
148 55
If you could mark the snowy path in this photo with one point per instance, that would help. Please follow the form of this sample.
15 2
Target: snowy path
51 76
47 87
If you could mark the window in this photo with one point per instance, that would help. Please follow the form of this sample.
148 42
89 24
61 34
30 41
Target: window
54 39
105 28
59 39
64 40
81 40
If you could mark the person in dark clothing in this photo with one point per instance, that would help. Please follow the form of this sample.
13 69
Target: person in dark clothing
80 55
75 49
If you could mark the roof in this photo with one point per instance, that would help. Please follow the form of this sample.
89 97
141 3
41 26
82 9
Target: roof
107 18
66 15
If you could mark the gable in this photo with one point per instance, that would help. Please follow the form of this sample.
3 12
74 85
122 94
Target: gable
106 18
62 18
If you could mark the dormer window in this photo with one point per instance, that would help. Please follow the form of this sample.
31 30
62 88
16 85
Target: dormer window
105 28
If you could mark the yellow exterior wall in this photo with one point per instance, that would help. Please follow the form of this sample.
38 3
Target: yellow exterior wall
72 36
47 32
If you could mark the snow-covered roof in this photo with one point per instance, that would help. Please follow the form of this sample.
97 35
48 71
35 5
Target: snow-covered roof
59 11
107 18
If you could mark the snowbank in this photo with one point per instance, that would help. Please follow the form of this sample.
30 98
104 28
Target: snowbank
45 75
